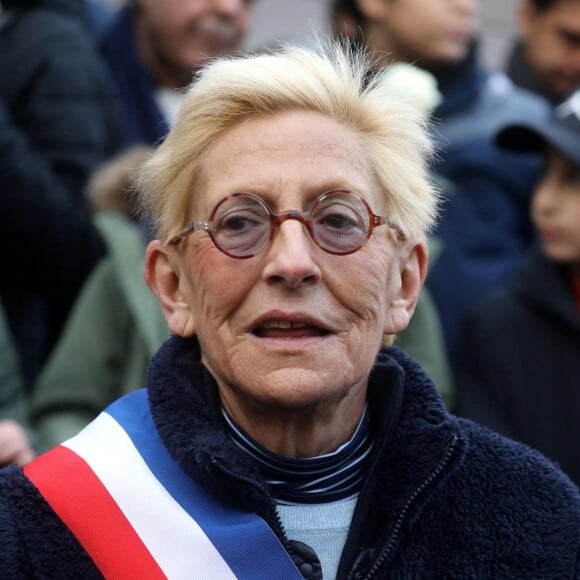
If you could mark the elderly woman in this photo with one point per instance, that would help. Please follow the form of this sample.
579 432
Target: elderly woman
276 438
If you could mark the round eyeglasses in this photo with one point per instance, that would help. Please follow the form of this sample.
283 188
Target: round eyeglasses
340 222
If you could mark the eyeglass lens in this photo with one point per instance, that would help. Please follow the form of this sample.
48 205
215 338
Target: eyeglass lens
338 222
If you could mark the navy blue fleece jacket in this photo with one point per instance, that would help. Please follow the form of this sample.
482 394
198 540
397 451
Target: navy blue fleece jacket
443 497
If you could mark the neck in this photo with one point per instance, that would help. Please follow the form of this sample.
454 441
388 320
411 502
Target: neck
300 432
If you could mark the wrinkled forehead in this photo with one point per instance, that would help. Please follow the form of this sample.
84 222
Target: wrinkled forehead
290 158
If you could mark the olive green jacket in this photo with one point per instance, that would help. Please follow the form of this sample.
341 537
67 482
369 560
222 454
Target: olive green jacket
113 330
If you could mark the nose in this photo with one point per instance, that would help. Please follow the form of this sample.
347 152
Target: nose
466 7
231 7
290 256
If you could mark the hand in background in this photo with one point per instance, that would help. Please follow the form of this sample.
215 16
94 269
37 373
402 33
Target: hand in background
14 444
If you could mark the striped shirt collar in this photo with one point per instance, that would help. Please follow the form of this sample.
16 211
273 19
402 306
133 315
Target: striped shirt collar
335 476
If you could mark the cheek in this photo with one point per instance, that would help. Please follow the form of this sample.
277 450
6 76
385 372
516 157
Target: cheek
575 220
215 285
367 287
542 196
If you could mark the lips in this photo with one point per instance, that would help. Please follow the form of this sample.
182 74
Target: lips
217 36
549 234
288 328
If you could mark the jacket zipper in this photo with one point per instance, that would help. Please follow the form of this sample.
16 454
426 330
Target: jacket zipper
387 551
279 527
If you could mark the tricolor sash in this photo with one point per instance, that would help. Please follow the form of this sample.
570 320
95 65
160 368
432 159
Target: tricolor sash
137 514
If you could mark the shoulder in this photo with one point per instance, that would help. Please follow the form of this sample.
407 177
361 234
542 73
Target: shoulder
48 26
499 103
503 102
520 485
498 504
500 89
507 509
35 543
12 555
522 502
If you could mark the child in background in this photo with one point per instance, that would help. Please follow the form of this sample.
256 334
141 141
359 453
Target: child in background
521 348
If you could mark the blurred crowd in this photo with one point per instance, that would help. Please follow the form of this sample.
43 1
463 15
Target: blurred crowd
88 90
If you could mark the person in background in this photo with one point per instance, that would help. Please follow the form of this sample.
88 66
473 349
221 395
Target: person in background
484 228
521 347
100 15
15 444
58 123
546 57
153 49
291 201
115 326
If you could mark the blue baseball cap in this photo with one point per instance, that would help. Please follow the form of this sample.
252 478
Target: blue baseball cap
561 131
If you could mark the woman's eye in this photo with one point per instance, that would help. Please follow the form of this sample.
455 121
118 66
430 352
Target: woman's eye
337 221
338 217
237 222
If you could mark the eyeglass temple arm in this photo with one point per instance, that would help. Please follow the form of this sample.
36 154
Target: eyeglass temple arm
193 227
379 220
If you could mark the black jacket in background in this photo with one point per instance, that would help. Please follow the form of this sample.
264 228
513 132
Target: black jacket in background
521 363
58 123
484 225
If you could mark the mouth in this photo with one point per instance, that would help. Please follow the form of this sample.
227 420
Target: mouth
217 37
283 328
549 235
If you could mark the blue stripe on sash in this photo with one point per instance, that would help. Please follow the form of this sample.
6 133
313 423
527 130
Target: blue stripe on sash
244 540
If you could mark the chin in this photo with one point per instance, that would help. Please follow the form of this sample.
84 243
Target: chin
558 254
298 388
455 54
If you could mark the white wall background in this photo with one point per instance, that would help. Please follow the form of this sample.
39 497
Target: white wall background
287 20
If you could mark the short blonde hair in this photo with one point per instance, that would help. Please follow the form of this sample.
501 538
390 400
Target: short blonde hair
334 80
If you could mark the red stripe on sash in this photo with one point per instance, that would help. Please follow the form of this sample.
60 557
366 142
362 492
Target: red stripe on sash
81 501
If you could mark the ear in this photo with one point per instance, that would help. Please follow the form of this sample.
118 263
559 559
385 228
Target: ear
373 9
413 271
164 277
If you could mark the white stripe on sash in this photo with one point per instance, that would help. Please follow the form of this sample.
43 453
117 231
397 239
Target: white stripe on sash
175 540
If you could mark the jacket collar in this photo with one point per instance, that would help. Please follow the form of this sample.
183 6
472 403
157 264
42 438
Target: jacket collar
410 424
144 121
460 84
424 445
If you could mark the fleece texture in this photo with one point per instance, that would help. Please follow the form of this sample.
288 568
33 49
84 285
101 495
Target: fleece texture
443 497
